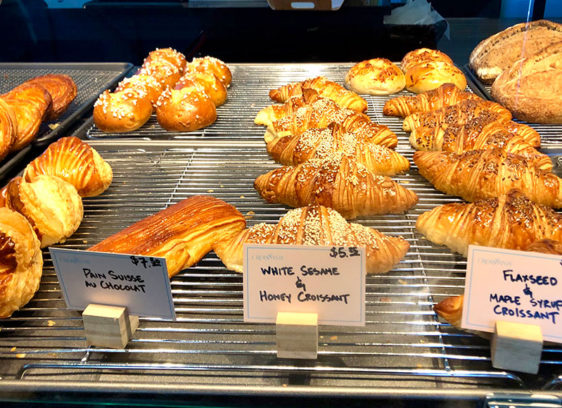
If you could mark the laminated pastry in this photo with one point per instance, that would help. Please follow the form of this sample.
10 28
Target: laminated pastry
62 89
209 83
438 98
21 262
76 162
337 182
325 143
51 205
479 174
546 246
377 76
8 128
122 111
510 221
211 65
182 233
423 56
342 97
532 87
270 114
499 52
321 226
431 75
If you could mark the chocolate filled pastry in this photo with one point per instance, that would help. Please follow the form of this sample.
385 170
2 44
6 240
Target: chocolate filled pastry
122 111
182 233
211 65
51 205
209 83
142 83
62 90
76 162
21 262
8 128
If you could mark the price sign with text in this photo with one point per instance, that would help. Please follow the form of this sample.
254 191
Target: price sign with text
516 286
140 283
329 281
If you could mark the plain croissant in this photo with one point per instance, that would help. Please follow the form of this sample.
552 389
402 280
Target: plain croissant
489 173
445 95
323 143
316 225
339 183
328 89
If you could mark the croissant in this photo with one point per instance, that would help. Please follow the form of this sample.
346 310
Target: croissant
337 182
546 246
445 95
122 111
21 262
489 173
62 90
8 128
211 65
511 221
342 97
324 143
316 225
76 162
182 233
270 114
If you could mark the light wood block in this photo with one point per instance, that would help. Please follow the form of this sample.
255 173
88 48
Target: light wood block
517 347
108 326
297 335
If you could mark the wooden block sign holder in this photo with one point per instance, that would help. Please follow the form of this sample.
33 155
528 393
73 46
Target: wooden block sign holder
297 335
517 347
108 326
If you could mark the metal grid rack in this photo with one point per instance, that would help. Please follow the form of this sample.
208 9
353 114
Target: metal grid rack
403 346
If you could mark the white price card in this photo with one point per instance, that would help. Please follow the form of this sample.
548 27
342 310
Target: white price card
329 281
139 283
515 286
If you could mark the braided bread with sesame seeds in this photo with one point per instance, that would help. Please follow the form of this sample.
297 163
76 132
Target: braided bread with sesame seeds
122 111
321 226
211 65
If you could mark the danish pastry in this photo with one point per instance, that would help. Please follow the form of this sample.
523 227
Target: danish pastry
378 76
122 111
62 90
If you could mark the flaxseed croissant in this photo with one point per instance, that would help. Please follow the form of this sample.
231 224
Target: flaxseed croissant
316 225
478 174
337 182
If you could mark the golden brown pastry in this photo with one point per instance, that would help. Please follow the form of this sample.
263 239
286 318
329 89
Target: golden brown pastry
531 88
270 114
76 162
51 205
316 225
450 309
164 71
209 83
122 111
441 97
185 108
8 128
172 56
30 104
211 65
377 76
546 246
327 89
431 75
182 233
142 84
21 262
511 221
423 56
325 143
337 182
62 89
499 52
478 174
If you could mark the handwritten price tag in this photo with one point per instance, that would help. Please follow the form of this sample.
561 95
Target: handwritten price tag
523 287
329 281
138 282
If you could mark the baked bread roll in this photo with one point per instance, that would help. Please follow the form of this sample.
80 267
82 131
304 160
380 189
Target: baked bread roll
165 72
211 65
170 55
209 83
378 76
325 88
531 88
122 111
142 84
325 143
62 90
479 174
336 182
438 98
185 108
8 128
51 205
431 75
316 225
511 221
499 52
423 56
74 161
21 262
30 104
182 233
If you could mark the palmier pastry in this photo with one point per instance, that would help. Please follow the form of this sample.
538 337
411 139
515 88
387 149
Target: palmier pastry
185 108
21 262
51 205
30 104
122 111
423 56
76 162
142 84
182 233
62 89
8 128
174 57
209 83
431 75
378 76
316 225
211 65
